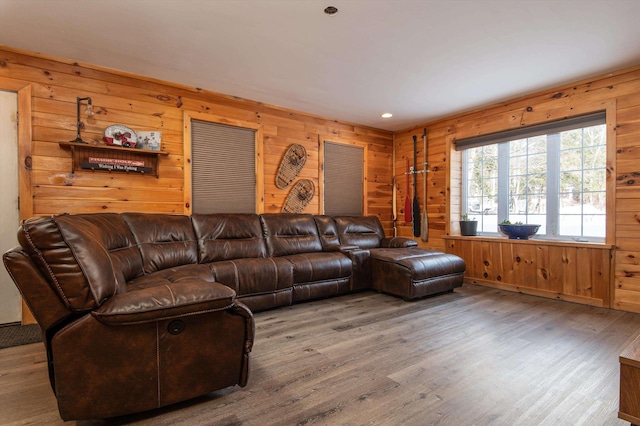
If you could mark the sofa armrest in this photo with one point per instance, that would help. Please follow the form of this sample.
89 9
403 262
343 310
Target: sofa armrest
396 242
361 272
164 301
342 248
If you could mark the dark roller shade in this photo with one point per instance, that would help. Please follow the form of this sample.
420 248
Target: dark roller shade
532 131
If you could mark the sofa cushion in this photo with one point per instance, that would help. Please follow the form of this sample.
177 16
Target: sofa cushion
172 275
253 276
164 240
228 236
311 267
320 289
288 234
245 276
363 231
327 230
262 302
88 258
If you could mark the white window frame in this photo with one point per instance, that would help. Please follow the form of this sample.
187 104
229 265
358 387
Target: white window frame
553 190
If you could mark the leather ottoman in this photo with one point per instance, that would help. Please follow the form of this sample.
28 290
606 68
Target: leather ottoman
412 273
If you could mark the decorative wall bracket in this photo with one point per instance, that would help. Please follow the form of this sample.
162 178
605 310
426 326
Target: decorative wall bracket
417 172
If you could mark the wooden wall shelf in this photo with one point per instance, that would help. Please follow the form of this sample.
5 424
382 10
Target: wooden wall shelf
106 158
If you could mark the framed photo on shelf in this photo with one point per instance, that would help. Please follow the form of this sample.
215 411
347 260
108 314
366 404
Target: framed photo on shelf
150 141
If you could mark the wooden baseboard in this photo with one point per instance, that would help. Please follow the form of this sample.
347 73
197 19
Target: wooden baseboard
631 419
537 292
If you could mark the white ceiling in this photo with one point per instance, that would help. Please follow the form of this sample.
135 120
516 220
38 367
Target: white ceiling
419 59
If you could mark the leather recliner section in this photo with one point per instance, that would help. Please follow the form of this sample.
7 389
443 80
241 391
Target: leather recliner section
139 311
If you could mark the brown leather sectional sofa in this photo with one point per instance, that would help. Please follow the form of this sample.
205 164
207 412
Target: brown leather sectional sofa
141 310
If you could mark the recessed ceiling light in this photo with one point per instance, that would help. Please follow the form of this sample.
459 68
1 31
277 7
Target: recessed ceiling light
387 115
330 10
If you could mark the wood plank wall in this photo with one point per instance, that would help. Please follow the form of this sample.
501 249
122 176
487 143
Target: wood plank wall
148 104
575 273
618 93
438 160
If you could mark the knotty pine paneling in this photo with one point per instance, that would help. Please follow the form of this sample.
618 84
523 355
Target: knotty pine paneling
437 187
148 104
550 269
619 94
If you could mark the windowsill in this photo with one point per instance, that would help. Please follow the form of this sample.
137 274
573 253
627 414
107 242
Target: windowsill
535 241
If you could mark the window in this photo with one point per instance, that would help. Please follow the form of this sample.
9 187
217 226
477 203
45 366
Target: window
223 168
553 175
343 179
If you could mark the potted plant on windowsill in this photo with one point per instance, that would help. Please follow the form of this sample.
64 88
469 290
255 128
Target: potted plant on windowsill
518 230
468 227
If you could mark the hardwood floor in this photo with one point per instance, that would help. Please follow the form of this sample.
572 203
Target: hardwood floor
478 356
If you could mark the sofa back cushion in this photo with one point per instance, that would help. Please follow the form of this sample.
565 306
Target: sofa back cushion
363 231
228 237
87 258
290 233
164 240
327 230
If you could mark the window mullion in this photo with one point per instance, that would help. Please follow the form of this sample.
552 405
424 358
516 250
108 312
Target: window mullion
503 182
553 184
582 189
465 180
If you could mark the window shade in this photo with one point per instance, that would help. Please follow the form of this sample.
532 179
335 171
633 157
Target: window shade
223 168
531 131
343 179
